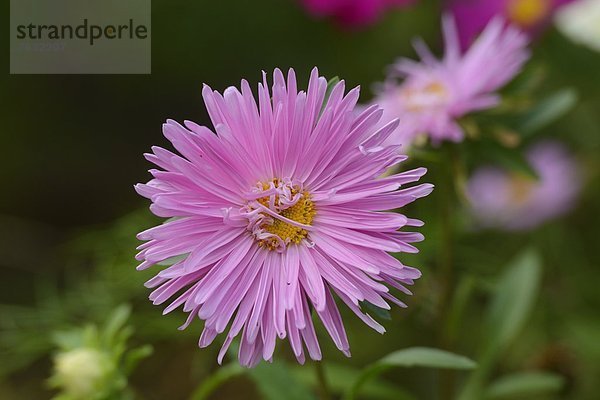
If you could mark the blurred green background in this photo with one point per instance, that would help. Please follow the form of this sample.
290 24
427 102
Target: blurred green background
72 150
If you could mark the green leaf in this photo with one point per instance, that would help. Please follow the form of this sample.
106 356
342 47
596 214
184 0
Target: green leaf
510 309
341 378
511 159
525 385
547 111
172 260
516 293
133 357
330 85
460 300
116 321
218 378
276 382
68 340
412 357
376 312
528 80
427 357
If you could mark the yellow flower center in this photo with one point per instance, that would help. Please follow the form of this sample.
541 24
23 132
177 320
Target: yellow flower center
302 211
527 13
521 187
430 96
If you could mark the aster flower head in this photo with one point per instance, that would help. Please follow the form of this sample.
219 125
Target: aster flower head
513 201
530 16
434 93
277 212
353 13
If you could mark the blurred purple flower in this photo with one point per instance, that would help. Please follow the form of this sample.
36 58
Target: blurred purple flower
275 213
512 201
353 13
472 16
434 93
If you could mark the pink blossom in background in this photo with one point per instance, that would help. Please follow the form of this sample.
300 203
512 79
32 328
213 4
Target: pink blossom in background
432 94
277 212
353 13
508 200
472 16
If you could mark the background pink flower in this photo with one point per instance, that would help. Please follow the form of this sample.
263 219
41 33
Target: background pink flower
512 201
472 16
433 93
353 13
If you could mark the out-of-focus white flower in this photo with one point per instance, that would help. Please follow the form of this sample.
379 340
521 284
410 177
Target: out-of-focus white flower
580 22
80 372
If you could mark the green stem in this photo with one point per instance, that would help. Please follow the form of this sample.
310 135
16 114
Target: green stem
446 254
324 391
218 378
448 179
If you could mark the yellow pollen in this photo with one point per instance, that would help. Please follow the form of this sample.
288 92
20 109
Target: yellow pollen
521 187
527 13
303 212
427 96
435 88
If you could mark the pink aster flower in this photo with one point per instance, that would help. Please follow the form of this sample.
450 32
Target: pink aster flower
353 13
435 93
277 212
512 201
531 16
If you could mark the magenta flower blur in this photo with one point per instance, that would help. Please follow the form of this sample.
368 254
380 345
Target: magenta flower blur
353 13
512 201
435 93
531 16
275 213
